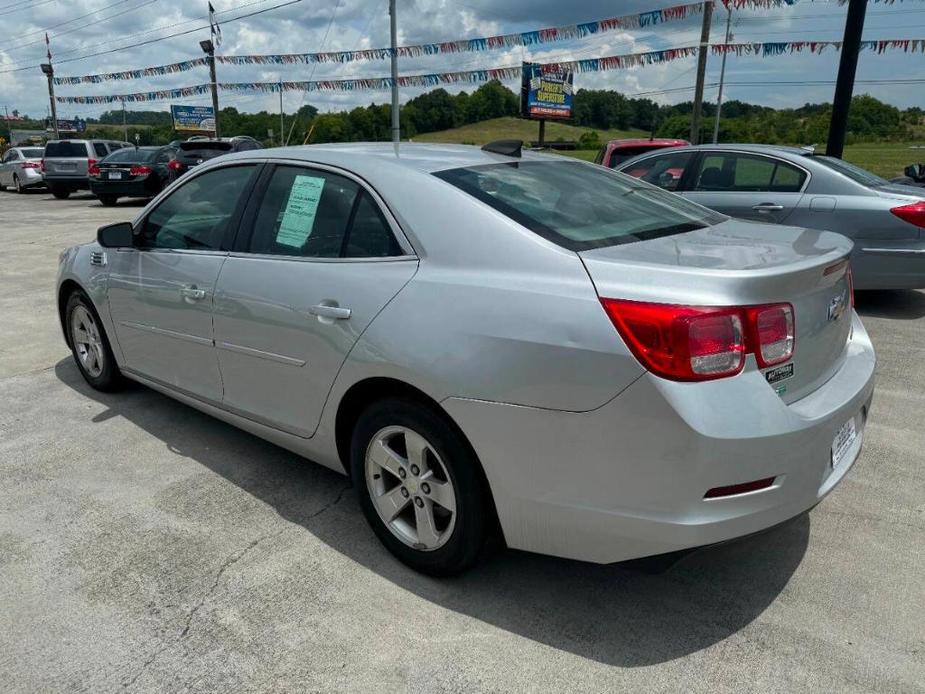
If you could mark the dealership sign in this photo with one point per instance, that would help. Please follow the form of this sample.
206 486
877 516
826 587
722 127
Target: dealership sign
546 91
193 118
78 125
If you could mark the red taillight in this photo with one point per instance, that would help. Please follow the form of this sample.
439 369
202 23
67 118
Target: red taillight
42 166
913 213
773 330
174 165
92 168
31 165
139 170
700 343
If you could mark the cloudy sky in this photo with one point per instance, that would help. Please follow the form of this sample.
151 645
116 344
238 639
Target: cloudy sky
82 27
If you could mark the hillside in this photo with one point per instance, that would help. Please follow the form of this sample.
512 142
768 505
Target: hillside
518 128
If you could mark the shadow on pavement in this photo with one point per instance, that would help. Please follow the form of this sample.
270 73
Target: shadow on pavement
906 304
607 613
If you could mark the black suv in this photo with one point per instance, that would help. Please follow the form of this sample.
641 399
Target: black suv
194 152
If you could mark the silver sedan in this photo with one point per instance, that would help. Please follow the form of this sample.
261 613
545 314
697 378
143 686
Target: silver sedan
787 185
490 341
21 168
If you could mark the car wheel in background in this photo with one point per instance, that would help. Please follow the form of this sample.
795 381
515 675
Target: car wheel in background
18 185
108 200
419 486
60 193
90 345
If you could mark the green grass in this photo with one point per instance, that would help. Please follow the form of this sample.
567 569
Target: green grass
887 160
520 129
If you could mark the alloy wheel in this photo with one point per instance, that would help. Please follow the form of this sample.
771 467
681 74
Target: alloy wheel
410 488
87 341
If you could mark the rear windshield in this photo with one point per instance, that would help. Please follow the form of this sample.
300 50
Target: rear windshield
618 156
130 154
579 206
205 145
855 173
65 149
32 152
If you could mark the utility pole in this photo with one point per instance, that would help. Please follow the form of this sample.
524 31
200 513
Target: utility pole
396 124
282 123
50 74
209 49
701 71
124 125
844 86
9 126
722 76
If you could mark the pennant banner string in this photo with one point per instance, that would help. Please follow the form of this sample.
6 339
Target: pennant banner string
614 62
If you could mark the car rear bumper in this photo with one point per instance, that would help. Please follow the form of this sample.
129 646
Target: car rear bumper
67 182
128 189
628 480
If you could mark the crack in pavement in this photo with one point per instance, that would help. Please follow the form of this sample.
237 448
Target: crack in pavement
230 561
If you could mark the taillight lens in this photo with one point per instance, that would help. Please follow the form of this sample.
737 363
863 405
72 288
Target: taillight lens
31 165
773 326
42 166
913 213
92 168
174 165
139 170
700 343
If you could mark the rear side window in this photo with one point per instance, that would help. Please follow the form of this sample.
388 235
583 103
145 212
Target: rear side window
579 206
317 214
731 172
66 148
100 149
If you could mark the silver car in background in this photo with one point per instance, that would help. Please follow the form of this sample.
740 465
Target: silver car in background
788 185
488 341
21 168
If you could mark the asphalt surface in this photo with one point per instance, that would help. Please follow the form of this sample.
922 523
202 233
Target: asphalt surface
147 547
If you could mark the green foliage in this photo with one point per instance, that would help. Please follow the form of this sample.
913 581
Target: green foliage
590 140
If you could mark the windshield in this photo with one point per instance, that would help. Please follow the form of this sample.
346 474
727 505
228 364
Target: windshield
579 206
32 152
130 154
855 173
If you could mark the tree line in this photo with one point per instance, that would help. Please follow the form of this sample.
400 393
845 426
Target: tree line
870 120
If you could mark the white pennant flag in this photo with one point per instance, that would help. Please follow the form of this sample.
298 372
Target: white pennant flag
213 24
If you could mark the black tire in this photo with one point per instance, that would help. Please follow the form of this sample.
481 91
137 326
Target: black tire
61 193
109 378
17 185
108 200
467 538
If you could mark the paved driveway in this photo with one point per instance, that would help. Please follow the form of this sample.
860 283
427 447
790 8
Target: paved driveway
147 547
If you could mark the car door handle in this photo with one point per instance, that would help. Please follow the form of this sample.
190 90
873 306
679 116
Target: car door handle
328 311
193 293
768 207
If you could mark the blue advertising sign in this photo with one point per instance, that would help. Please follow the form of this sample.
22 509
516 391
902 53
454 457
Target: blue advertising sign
78 125
546 91
193 118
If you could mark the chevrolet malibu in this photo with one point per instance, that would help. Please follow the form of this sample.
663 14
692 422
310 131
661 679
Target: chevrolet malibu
490 341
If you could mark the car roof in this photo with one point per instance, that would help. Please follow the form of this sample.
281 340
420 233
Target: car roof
745 147
362 157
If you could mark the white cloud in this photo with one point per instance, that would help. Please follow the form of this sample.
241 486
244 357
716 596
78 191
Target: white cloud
301 27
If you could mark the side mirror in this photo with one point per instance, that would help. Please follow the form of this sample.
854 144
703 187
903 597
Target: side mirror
118 235
911 171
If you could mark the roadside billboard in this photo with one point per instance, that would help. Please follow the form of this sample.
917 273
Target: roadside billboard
193 118
546 91
78 125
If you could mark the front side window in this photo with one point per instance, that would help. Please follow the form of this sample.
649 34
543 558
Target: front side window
579 206
316 214
742 173
196 216
664 171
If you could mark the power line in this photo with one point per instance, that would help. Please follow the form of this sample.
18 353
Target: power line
55 26
155 40
26 5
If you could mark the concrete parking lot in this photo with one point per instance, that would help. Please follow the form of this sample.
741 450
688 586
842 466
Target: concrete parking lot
147 547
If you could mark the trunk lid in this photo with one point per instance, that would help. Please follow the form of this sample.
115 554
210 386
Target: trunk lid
739 263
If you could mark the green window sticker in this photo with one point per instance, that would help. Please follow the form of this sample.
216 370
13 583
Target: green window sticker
299 216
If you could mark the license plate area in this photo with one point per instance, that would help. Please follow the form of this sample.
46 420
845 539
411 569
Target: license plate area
115 175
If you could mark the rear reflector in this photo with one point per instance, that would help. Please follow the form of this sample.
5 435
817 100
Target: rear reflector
174 165
913 213
743 488
700 343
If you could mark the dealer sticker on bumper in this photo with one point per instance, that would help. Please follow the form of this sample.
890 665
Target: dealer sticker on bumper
843 443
